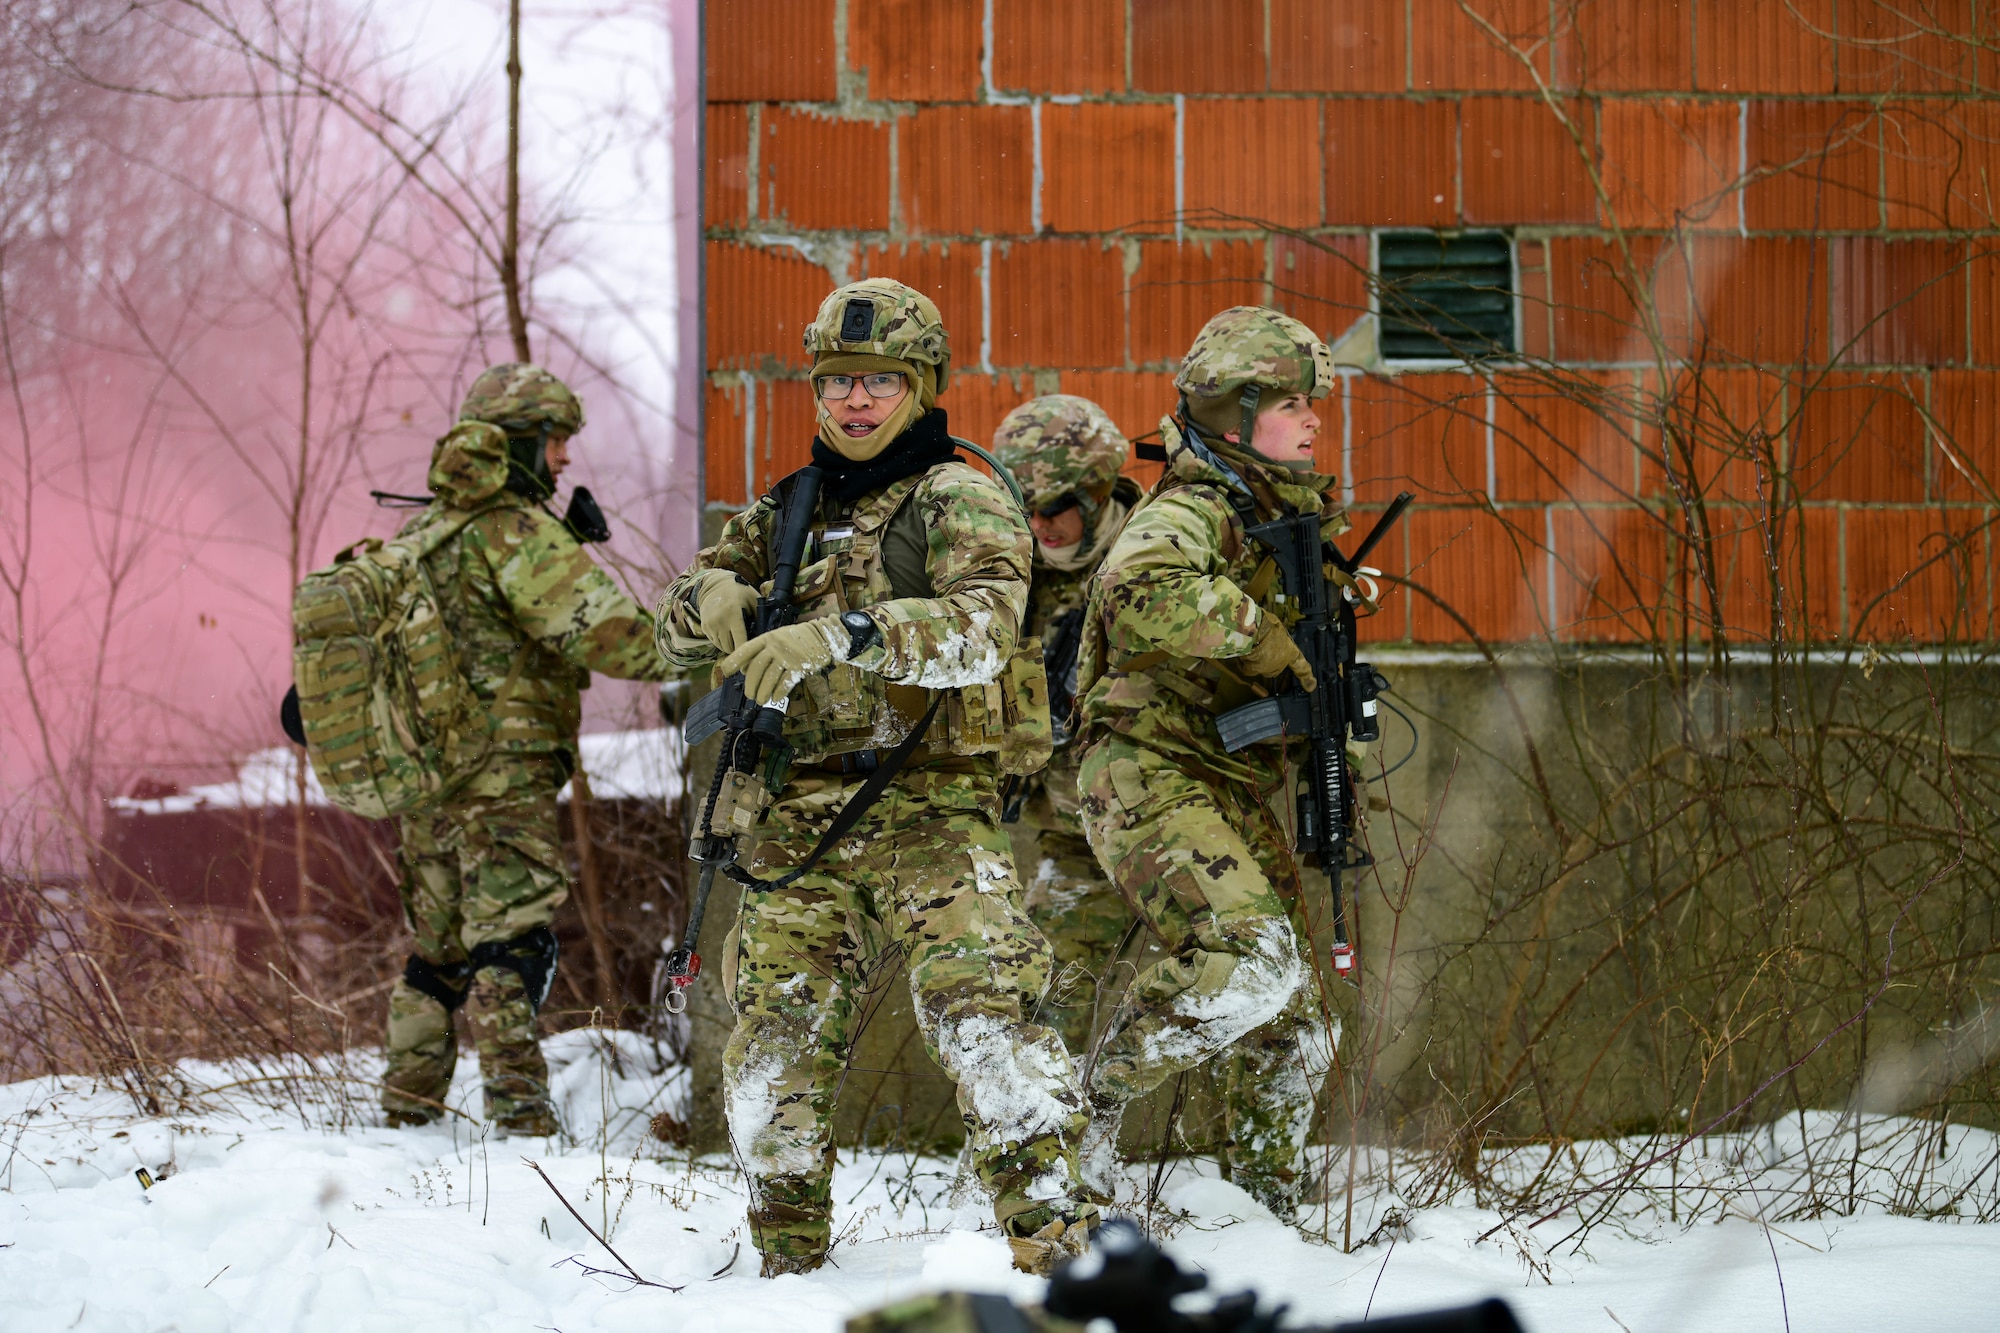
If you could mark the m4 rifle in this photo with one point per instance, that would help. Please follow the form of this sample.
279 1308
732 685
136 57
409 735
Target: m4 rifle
737 793
1342 705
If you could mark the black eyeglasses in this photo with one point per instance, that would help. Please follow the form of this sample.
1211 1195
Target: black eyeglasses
881 384
1062 504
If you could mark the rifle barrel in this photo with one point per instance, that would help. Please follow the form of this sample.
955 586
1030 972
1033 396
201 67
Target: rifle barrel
791 544
1379 531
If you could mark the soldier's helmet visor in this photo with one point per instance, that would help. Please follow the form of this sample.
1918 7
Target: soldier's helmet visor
880 384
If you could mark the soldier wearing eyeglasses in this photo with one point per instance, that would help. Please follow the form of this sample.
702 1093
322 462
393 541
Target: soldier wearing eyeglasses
1067 455
908 626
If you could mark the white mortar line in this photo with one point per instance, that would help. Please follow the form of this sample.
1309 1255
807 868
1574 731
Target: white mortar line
986 305
992 97
1180 165
1492 467
754 163
1549 542
1035 193
1347 437
986 50
1742 162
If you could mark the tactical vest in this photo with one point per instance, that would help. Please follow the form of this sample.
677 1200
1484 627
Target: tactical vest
875 551
1210 684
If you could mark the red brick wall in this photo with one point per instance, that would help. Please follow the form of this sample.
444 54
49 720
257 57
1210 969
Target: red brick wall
1802 187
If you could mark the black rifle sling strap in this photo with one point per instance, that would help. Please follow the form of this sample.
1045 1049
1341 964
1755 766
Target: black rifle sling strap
878 781
850 814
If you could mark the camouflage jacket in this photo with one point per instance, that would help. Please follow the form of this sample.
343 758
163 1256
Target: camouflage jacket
1182 592
958 637
1053 595
516 587
1053 591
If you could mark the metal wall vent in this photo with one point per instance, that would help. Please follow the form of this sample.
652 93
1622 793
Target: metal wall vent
1446 297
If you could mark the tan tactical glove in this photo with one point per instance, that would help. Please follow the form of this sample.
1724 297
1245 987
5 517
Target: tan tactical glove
1275 653
773 664
723 603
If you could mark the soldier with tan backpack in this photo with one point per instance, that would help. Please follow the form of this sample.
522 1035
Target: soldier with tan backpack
438 679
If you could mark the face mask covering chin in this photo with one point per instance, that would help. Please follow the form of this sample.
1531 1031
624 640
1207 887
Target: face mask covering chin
861 448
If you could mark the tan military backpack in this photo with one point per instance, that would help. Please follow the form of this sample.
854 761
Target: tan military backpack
390 721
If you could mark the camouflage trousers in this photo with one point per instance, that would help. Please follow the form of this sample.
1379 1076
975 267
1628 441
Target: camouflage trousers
1070 901
926 877
485 866
1211 872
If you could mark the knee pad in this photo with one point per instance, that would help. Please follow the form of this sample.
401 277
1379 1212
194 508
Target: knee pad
532 955
444 982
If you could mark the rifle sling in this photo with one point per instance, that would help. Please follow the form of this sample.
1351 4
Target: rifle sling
851 813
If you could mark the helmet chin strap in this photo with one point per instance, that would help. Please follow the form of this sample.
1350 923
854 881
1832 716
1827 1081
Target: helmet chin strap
1252 395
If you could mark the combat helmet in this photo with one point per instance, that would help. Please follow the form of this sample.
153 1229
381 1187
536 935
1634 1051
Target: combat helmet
530 405
880 317
516 396
1059 446
1243 355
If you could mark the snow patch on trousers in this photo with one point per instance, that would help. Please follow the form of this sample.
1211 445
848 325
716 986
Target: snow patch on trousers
767 1144
767 1149
1258 986
1018 1090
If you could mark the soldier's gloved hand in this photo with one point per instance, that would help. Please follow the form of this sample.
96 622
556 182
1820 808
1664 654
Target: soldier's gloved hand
773 663
723 603
1274 653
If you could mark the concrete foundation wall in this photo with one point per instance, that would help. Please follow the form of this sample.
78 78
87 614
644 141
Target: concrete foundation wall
1600 939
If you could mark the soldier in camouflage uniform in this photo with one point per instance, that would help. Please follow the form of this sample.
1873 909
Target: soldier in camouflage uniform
909 606
1186 621
483 873
1067 455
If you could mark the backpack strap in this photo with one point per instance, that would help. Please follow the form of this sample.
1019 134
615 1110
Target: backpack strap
431 543
444 532
506 690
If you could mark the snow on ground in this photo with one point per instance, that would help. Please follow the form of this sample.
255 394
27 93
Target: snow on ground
620 764
280 1205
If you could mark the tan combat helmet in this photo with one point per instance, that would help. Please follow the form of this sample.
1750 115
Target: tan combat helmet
1058 446
879 324
1243 355
881 317
530 405
516 396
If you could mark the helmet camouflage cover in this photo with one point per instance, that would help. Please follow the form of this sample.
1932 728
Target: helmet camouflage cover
1059 443
881 317
516 396
1253 344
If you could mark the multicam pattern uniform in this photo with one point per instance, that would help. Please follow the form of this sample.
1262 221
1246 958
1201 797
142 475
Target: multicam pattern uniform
928 869
1068 897
532 616
1060 445
1188 829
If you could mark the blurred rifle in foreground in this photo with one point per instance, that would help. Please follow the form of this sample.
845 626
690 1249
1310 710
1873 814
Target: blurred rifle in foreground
1131 1282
